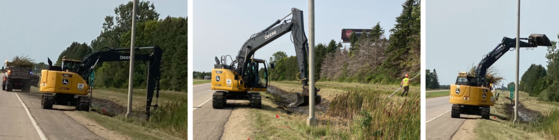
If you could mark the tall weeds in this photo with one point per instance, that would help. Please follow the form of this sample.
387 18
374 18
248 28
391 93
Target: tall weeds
172 117
378 117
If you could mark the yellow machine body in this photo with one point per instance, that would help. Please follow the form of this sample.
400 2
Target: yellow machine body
62 82
224 79
470 95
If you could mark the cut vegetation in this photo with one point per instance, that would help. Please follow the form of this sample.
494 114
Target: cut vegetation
168 121
538 120
348 111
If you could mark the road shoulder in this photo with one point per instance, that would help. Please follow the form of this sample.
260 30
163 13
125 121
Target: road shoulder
466 131
95 127
239 125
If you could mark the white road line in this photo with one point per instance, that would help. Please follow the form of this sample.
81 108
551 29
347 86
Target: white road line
202 104
41 134
437 117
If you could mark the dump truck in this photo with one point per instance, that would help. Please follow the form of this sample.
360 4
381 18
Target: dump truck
16 76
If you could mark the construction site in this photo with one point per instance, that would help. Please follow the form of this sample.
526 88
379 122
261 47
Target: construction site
123 84
356 84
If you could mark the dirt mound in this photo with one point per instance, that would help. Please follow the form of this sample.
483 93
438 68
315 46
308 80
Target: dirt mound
283 98
526 115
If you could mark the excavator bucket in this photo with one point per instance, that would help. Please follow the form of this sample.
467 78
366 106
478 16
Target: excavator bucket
303 98
539 40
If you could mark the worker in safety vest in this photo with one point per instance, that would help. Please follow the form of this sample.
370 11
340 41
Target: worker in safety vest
405 83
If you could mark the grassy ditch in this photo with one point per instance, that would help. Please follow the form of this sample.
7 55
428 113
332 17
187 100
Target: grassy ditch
538 120
168 121
353 111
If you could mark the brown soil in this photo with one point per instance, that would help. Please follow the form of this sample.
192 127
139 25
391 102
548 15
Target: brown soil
283 98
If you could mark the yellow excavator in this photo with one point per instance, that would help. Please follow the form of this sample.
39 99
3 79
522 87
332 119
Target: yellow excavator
471 94
68 84
246 76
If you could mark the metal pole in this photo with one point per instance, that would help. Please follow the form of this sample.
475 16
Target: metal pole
131 71
311 121
517 64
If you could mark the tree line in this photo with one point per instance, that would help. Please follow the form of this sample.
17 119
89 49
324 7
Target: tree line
370 58
170 34
540 81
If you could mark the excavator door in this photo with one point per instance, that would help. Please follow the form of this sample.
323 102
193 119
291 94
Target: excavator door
258 75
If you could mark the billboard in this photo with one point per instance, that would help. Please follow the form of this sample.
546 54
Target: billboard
346 33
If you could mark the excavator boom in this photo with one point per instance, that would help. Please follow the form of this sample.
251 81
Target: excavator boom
505 46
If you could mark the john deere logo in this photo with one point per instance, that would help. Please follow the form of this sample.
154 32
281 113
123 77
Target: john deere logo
217 78
484 95
457 89
65 81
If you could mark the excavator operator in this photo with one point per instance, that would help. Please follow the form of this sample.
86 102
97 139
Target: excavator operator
405 83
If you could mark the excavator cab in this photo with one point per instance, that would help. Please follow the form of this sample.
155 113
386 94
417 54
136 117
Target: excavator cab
258 74
70 65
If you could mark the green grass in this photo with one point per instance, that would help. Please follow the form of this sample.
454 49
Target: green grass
437 94
131 130
201 82
543 127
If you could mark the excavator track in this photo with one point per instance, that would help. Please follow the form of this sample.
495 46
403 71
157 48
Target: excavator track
255 100
218 100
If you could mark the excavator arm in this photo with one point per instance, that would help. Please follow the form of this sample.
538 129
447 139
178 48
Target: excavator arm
90 61
295 25
534 40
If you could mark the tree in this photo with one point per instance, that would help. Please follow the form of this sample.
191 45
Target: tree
428 79
170 34
277 56
402 42
377 32
434 80
332 47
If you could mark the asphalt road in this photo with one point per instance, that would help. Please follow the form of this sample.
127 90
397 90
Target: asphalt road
209 123
440 126
23 119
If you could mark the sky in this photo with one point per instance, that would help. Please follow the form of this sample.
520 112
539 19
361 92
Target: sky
221 27
42 29
459 33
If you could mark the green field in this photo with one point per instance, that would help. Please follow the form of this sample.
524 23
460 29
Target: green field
434 94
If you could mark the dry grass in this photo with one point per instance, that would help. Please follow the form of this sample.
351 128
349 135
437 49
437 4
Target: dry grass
357 111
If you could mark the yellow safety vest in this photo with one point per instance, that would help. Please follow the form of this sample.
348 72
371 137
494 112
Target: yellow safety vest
405 82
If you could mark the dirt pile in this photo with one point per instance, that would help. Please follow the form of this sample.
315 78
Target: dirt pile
283 98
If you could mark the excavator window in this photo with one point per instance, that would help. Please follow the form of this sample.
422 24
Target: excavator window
461 81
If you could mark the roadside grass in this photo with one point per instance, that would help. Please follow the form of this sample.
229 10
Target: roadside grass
170 118
357 111
501 126
437 94
131 130
329 90
201 82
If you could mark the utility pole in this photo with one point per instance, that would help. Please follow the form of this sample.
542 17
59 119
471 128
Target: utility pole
311 121
131 71
517 64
